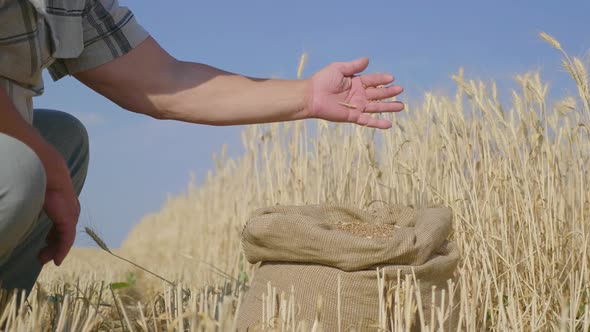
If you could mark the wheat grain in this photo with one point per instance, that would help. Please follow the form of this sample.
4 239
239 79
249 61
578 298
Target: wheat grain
97 239
551 40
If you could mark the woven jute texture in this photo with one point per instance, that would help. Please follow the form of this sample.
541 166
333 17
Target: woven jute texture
306 248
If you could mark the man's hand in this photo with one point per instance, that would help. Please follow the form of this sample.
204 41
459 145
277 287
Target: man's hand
61 202
148 80
337 94
61 206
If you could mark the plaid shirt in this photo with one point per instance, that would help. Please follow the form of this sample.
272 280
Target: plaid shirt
64 36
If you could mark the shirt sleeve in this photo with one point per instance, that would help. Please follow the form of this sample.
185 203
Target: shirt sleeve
110 31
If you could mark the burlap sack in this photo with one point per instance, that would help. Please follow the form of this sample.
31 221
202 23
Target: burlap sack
307 247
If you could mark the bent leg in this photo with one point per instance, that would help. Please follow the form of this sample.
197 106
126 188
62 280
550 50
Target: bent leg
70 138
68 135
22 192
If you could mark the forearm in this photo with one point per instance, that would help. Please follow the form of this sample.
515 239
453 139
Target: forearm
148 80
203 94
13 124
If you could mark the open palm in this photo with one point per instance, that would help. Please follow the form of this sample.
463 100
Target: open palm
339 95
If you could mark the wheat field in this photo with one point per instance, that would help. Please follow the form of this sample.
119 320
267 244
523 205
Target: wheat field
515 175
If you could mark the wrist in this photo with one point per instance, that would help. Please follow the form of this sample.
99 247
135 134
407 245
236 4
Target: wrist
305 109
53 163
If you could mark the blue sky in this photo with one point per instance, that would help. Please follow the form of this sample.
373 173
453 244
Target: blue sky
136 162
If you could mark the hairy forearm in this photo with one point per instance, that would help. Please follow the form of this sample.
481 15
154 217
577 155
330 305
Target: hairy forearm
203 94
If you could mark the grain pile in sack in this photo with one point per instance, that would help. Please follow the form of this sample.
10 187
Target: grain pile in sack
306 248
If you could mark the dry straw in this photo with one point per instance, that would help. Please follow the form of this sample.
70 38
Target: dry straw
302 63
347 105
104 247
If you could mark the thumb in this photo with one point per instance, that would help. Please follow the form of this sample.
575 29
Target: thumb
353 67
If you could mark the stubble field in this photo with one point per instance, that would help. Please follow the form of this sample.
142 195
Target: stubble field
515 174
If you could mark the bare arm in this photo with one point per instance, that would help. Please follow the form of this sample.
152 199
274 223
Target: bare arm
61 202
148 80
13 124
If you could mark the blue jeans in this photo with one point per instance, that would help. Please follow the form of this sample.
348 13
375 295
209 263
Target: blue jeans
23 224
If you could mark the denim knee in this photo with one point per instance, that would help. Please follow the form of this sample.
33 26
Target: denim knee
22 192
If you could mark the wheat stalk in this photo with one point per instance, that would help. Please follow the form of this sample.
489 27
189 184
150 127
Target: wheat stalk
351 106
302 63
104 247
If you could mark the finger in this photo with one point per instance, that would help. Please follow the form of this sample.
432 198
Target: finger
384 107
352 67
66 240
373 122
375 80
46 254
383 93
